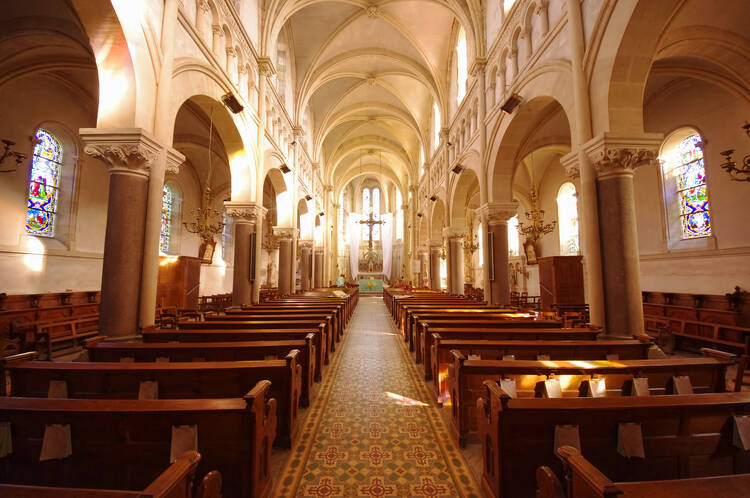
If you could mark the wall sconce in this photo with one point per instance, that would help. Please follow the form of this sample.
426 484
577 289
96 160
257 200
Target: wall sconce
284 168
18 156
731 166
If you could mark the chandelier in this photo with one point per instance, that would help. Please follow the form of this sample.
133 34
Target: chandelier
731 167
206 220
537 229
17 156
471 244
443 251
270 241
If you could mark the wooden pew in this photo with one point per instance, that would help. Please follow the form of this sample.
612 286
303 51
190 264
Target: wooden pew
500 331
348 302
466 377
450 312
414 317
584 480
123 444
175 482
211 351
327 344
262 309
281 315
494 349
209 379
228 335
402 304
683 436
71 333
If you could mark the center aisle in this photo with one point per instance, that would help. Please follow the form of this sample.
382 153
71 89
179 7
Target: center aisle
374 429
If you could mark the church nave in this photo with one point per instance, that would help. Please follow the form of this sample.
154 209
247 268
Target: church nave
374 429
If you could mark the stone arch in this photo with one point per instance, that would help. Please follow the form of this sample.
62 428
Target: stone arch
277 179
437 220
466 187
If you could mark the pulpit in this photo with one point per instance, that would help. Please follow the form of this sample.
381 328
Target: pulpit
560 281
179 280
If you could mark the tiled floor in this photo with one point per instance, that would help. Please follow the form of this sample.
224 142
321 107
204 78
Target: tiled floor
373 429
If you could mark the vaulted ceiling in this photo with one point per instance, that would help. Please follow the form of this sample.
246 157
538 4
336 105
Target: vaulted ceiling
370 76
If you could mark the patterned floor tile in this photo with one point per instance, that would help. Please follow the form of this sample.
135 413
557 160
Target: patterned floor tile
374 430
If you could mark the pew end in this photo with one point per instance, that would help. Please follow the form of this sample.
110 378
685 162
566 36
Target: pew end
264 411
210 486
547 484
582 478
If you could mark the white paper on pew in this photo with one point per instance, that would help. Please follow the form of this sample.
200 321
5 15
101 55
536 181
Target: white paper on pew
741 436
567 435
474 357
338 293
127 359
509 386
682 385
640 387
509 357
148 389
56 443
597 388
542 357
184 438
199 358
6 441
630 440
552 388
613 357
162 359
57 389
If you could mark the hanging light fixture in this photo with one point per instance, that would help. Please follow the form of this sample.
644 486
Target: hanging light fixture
731 166
206 220
537 229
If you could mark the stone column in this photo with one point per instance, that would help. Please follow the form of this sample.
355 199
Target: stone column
306 270
129 155
435 247
285 236
494 218
318 281
455 238
248 219
615 159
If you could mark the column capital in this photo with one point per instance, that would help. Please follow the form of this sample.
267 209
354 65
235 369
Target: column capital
328 188
305 244
285 233
618 155
265 67
297 131
230 51
129 151
570 163
479 65
216 28
174 160
496 213
444 133
453 233
247 212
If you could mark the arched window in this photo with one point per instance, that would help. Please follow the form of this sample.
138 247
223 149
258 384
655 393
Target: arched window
513 244
685 191
376 213
44 183
567 216
435 126
170 206
507 4
399 216
462 65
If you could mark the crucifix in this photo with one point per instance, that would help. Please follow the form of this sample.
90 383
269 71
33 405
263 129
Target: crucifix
371 221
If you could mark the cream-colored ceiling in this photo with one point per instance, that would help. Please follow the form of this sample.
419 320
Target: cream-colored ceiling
370 78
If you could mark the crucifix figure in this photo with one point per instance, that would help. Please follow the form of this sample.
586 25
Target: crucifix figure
371 221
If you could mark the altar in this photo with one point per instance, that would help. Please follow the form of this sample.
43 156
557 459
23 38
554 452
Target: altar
370 283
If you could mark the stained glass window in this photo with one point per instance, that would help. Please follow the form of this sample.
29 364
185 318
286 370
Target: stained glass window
376 213
686 164
513 236
167 213
567 215
365 212
44 183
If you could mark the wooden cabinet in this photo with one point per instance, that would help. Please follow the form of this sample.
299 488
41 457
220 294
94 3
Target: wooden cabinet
179 280
560 281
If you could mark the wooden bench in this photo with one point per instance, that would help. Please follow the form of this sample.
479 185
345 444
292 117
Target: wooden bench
711 333
466 377
683 436
493 349
188 380
584 480
327 344
124 444
211 351
49 335
227 335
503 331
177 481
339 316
348 302
282 316
410 314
